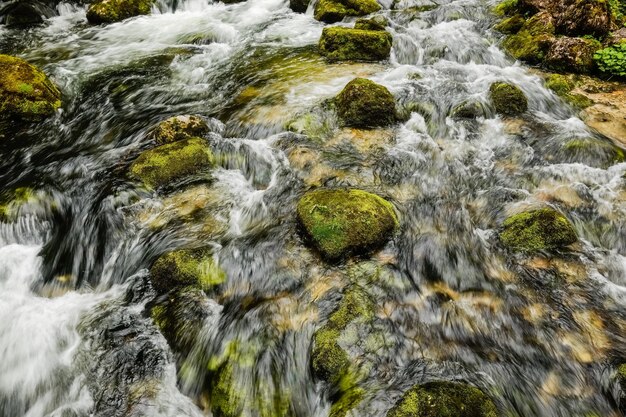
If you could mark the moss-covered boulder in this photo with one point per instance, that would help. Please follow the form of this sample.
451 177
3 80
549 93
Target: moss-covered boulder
111 11
537 230
329 360
186 267
562 86
179 128
345 44
443 398
375 23
572 55
26 94
167 163
583 17
527 47
470 109
508 99
342 222
331 11
593 152
511 25
363 103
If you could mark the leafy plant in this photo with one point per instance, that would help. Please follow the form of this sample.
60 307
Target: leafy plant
612 60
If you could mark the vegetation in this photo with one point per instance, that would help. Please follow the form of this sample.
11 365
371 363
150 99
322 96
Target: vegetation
612 60
537 230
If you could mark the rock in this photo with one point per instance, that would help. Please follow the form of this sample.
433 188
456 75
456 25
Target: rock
511 25
621 380
345 44
507 99
468 110
443 398
26 12
363 103
329 361
167 163
178 128
617 37
111 11
185 267
374 23
26 94
527 47
341 222
583 17
299 6
593 152
537 230
572 54
331 11
563 86
540 24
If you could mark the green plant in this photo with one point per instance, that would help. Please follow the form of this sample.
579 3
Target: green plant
612 60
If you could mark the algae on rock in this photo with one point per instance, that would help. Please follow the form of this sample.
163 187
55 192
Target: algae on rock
537 230
363 103
508 99
167 163
178 128
331 11
345 44
186 267
26 94
341 222
111 11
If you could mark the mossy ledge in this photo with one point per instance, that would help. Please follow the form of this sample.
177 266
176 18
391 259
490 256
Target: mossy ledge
26 93
537 230
344 222
363 103
443 398
331 11
111 11
186 267
167 163
507 99
345 44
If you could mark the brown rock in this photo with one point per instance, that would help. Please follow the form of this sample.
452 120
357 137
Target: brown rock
572 54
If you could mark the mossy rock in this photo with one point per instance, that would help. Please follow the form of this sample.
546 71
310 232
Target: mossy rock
621 380
444 399
331 11
374 23
346 402
510 25
468 110
167 163
178 128
26 94
186 267
329 361
595 152
537 230
527 47
560 84
111 11
572 55
363 103
540 24
341 223
345 44
506 8
508 99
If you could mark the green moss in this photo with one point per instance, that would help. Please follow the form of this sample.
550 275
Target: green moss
594 151
186 267
26 94
537 230
444 399
345 44
560 84
508 99
505 8
178 128
11 200
621 375
375 23
346 402
346 222
511 24
527 47
331 11
329 361
110 11
363 103
167 163
539 24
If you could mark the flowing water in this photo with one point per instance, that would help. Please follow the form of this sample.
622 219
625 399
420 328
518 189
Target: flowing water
541 336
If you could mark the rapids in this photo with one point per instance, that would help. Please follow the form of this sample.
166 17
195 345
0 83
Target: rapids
538 335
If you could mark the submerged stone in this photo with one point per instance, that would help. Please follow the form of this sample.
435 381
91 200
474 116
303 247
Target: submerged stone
374 23
363 103
26 94
537 230
508 99
167 163
594 152
299 6
26 12
186 267
341 222
443 398
179 128
331 11
111 11
468 110
345 44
